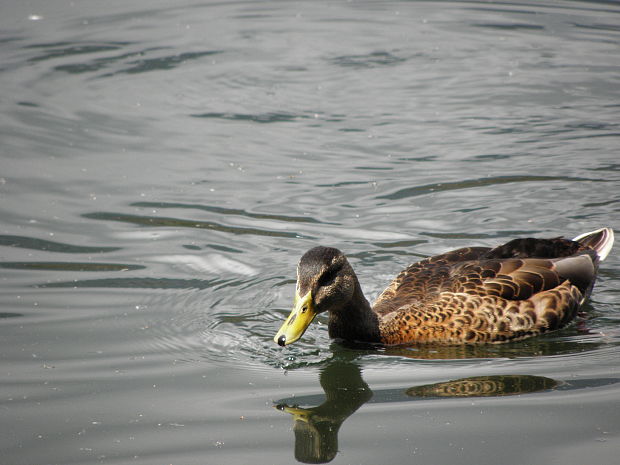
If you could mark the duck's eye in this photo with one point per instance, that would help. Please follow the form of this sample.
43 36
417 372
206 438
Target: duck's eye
328 277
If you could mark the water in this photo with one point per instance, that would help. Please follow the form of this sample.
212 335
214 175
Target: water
165 164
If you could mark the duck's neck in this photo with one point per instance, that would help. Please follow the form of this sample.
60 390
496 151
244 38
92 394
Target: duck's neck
355 321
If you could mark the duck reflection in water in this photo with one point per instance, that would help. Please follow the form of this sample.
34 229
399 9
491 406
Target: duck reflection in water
316 428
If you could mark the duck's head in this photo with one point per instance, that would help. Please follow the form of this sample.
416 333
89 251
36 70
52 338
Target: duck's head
325 282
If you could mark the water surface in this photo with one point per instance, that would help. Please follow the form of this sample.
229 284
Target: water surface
164 165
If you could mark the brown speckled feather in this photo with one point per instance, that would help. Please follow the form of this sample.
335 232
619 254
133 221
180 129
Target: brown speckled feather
481 295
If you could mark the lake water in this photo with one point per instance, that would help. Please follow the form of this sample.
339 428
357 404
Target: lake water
164 165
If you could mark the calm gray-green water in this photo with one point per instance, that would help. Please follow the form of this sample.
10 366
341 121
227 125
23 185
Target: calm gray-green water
164 164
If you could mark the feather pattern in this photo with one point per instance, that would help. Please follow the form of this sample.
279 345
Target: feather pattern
471 295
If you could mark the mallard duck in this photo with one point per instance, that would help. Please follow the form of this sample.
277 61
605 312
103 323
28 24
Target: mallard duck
467 296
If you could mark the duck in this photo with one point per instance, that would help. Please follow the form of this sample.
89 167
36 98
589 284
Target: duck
472 295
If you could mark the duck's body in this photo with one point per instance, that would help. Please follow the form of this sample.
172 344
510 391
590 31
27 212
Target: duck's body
471 295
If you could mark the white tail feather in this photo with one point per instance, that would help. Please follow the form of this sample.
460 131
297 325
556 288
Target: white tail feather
603 245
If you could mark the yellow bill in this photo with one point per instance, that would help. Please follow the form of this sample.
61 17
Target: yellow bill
300 318
299 414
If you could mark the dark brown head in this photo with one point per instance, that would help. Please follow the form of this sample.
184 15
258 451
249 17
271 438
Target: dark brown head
326 273
325 282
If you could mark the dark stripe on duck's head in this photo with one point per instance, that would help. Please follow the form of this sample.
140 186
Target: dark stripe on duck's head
313 265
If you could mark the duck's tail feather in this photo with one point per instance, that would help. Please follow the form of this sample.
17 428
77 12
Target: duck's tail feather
601 241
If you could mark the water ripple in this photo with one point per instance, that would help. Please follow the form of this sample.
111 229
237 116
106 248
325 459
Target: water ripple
70 266
510 26
97 64
140 283
474 183
274 117
227 211
369 60
161 63
50 246
133 62
230 326
64 49
152 221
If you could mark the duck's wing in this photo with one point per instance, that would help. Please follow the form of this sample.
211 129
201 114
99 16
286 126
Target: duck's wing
487 300
471 266
424 279
522 288
521 278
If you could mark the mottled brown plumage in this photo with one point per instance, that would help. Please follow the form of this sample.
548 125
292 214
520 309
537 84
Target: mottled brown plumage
471 295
